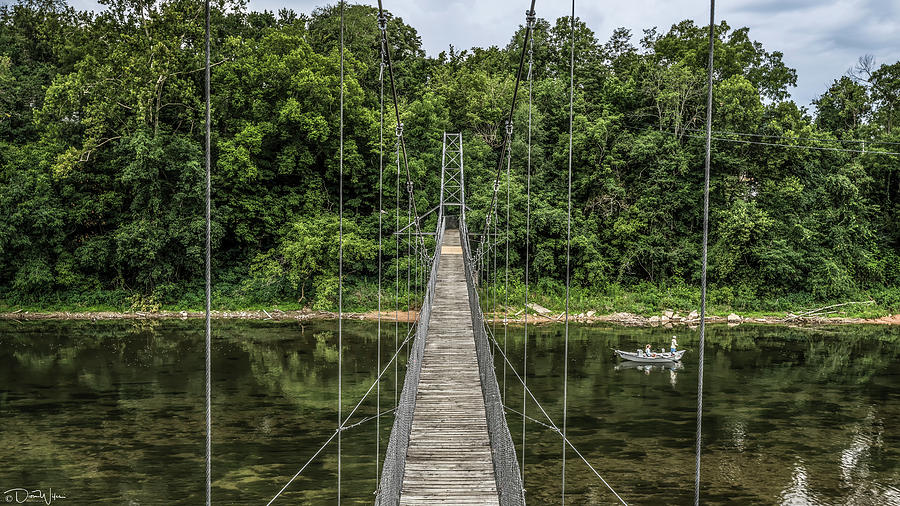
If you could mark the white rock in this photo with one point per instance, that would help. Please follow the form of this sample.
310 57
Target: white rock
733 318
693 315
539 309
591 313
669 314
653 319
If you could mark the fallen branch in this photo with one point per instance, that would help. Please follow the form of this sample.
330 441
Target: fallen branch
818 311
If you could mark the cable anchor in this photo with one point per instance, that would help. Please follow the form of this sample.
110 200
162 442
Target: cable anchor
530 18
382 22
399 130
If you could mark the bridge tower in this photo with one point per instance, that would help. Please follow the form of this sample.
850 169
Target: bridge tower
453 188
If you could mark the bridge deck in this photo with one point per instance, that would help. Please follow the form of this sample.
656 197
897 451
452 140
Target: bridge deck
448 460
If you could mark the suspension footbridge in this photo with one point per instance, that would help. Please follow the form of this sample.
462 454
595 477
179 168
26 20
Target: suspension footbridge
450 441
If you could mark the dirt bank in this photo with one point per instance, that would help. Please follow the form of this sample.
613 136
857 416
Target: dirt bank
274 314
628 319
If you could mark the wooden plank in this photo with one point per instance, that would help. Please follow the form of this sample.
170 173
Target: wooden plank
448 460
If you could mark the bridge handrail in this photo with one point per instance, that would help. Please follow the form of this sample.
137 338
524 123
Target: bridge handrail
391 483
503 451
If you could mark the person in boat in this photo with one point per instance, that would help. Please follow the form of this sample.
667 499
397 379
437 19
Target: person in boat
648 351
674 346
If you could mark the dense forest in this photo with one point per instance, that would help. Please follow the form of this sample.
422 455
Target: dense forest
102 172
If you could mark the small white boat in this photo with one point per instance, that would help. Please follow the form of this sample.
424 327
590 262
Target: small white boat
653 358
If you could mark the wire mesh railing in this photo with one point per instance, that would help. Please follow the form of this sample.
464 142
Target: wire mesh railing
506 464
395 457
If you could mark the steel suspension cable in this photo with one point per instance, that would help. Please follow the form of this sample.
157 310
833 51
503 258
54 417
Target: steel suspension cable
509 119
709 105
568 252
343 426
547 416
381 23
386 40
530 20
494 251
572 446
408 260
506 272
397 273
208 341
340 261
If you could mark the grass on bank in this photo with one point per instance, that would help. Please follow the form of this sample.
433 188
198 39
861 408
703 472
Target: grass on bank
362 296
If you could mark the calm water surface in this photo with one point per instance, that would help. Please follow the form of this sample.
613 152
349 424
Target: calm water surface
112 412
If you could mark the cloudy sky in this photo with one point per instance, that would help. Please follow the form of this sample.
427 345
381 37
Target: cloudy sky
819 38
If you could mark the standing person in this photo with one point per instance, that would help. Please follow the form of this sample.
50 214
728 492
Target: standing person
674 344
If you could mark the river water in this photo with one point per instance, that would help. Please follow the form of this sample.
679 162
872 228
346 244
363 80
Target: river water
113 412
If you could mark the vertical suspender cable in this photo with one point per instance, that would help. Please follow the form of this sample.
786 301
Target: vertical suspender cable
509 127
400 137
530 23
418 258
568 253
381 24
340 262
397 275
512 109
208 276
488 282
494 250
709 97
408 257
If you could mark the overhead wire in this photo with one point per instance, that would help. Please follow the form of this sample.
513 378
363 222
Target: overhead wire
771 144
796 138
799 146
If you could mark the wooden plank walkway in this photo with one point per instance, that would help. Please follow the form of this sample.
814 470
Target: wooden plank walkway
448 460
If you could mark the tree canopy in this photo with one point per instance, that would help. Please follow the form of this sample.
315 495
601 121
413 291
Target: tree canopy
102 179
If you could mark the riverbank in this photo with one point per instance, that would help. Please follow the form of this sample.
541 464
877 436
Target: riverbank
666 319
